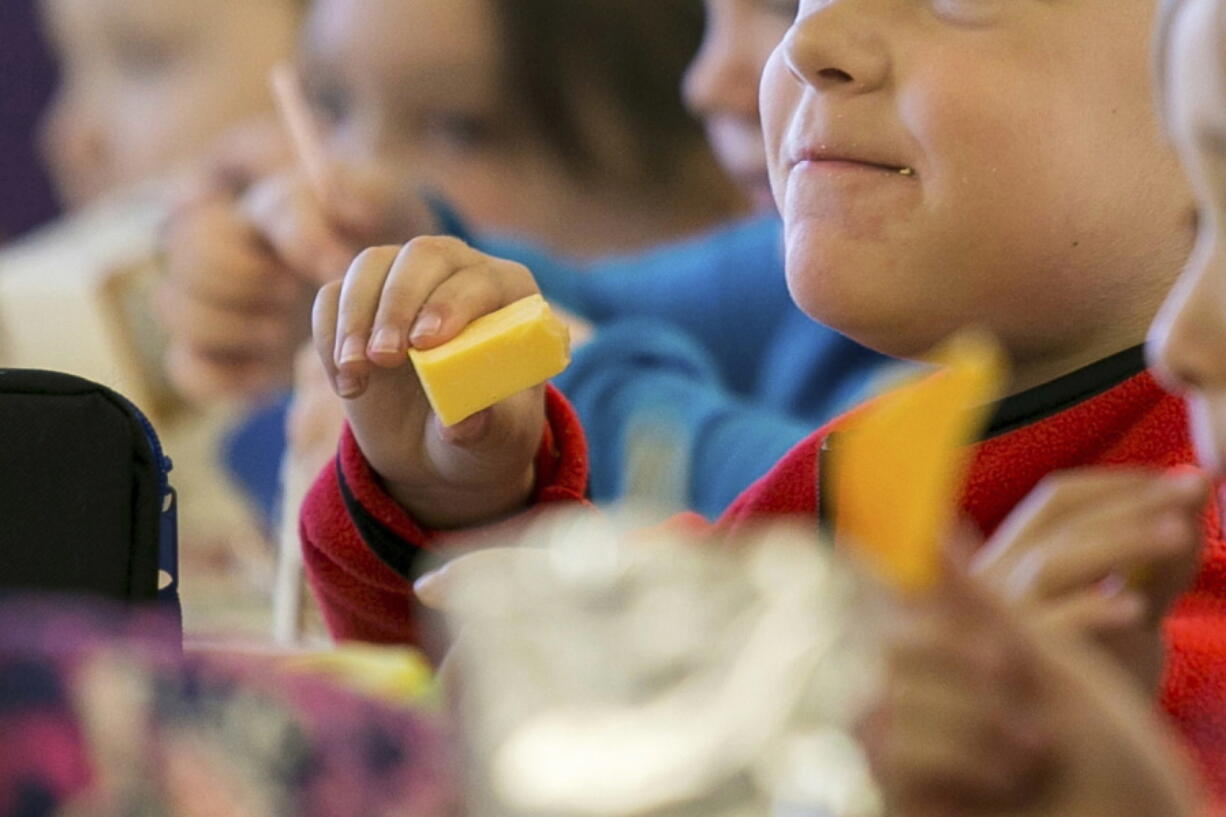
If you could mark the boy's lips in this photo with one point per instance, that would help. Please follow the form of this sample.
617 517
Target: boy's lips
829 159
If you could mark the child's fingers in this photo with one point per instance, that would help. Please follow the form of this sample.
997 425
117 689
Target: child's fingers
323 328
202 326
470 293
1095 613
420 267
1058 496
212 253
1037 554
1069 491
201 376
290 218
359 301
235 276
1105 540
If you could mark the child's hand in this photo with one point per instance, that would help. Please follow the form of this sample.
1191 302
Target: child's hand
989 713
424 293
233 313
957 732
314 419
1102 552
241 272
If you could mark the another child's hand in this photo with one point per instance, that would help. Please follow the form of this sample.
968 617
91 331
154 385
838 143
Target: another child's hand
241 272
990 713
234 314
423 294
1104 553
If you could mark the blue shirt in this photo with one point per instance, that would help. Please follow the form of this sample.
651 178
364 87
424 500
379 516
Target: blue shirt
701 341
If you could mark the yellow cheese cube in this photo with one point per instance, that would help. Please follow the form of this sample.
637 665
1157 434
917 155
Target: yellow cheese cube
498 355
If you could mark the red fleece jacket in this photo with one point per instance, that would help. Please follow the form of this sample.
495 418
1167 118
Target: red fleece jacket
359 543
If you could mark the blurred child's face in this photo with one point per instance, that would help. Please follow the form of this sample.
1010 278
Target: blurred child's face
1188 341
721 86
417 88
940 163
147 84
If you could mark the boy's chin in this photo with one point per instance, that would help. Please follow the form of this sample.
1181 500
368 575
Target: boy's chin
860 301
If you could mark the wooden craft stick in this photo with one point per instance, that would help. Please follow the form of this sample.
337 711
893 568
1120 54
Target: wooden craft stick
299 123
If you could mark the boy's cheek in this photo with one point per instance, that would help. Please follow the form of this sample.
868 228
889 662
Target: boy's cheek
779 98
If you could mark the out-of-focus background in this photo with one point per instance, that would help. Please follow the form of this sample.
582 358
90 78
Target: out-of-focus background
27 78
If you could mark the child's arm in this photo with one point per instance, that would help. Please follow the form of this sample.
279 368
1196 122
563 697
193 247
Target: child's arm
400 475
362 549
422 295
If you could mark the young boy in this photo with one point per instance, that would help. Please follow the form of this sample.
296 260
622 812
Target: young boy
146 87
938 165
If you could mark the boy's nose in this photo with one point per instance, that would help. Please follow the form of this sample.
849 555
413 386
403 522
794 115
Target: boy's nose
1187 345
835 51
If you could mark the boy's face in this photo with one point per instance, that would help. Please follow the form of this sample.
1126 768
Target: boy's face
1188 341
940 163
721 85
147 84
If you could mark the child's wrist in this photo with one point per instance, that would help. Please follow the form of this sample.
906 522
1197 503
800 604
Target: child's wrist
453 508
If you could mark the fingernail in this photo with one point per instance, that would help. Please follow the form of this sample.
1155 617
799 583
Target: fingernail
386 341
428 323
349 385
353 350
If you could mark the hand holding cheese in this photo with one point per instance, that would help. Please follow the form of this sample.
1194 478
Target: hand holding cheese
422 296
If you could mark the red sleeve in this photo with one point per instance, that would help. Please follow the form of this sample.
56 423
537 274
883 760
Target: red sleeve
359 545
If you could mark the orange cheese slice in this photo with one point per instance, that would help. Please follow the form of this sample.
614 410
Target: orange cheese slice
899 466
500 354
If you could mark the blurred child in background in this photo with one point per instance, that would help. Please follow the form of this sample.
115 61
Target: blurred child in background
149 91
146 86
729 408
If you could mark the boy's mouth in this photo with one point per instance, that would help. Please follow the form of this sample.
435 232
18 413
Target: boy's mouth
835 160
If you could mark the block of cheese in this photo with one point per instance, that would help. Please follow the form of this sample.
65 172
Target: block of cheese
498 355
900 463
